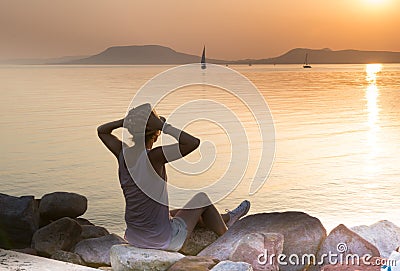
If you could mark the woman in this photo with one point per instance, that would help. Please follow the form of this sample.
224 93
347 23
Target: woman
149 222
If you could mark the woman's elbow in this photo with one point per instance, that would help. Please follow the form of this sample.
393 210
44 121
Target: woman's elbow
196 143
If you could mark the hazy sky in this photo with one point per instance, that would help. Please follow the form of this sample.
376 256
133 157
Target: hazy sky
230 29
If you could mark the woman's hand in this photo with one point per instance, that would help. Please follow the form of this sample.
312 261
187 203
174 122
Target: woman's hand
154 123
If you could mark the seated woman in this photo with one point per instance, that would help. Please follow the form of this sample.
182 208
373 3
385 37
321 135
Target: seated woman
149 222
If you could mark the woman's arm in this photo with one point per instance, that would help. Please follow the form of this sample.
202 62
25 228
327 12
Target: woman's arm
186 143
112 142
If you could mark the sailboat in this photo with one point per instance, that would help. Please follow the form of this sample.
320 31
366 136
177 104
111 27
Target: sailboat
306 65
203 59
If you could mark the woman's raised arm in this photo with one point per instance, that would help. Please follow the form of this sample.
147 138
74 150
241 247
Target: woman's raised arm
111 141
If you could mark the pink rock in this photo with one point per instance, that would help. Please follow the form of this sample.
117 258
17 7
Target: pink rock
256 248
349 267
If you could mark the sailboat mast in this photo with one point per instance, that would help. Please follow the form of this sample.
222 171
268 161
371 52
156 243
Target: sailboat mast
203 58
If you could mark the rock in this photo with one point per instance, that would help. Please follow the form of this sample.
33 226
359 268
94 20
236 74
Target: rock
232 266
96 251
256 248
68 257
302 234
384 235
198 240
127 257
352 267
342 241
19 219
194 263
106 268
83 221
89 231
62 234
62 204
28 250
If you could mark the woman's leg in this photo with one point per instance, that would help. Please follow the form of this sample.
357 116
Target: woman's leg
225 217
210 216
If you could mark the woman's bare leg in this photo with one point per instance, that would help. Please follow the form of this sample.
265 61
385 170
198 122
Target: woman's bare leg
225 217
212 219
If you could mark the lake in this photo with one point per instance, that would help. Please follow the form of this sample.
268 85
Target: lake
337 135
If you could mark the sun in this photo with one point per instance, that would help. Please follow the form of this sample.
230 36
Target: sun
375 2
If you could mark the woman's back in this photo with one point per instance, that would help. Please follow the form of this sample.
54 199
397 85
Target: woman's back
147 220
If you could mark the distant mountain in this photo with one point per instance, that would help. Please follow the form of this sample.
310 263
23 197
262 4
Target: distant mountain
41 61
327 56
159 55
156 54
140 55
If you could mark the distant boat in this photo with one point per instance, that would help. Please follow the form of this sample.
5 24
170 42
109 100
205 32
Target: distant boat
203 59
306 65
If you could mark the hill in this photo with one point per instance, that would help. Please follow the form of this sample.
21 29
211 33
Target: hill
140 55
327 56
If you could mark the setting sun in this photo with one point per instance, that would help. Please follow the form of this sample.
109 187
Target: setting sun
376 2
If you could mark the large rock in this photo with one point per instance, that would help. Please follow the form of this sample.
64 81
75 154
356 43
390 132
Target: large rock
353 267
257 248
194 263
83 221
66 256
27 250
232 266
96 251
342 241
383 234
126 257
198 240
62 234
19 219
89 231
62 204
302 234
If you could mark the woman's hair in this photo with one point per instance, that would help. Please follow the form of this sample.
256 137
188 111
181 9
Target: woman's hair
152 134
136 119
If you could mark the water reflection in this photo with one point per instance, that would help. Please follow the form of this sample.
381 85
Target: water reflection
372 94
372 97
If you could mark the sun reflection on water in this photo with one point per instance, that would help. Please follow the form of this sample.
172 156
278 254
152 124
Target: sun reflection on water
372 94
372 98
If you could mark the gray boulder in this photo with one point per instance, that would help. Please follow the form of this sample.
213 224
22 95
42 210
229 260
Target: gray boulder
19 219
383 234
62 234
198 240
66 256
194 263
96 251
89 231
126 257
302 235
62 204
342 241
232 266
83 221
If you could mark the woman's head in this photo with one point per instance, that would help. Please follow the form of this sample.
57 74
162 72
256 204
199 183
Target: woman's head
137 121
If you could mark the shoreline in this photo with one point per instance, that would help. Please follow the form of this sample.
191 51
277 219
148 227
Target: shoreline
59 231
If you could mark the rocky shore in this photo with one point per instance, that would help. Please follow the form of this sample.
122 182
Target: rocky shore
53 227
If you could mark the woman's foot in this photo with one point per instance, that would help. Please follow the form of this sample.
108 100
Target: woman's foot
238 212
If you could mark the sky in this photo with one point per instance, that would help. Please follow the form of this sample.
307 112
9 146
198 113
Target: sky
230 29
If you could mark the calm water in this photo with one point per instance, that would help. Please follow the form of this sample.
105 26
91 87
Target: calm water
337 137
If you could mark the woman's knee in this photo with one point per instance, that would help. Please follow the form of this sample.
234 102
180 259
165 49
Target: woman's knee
202 199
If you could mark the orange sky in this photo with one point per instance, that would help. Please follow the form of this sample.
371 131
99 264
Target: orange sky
230 29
